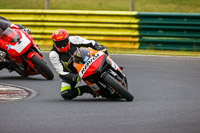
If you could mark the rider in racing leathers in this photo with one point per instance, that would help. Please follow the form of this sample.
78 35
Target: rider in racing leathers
60 56
4 24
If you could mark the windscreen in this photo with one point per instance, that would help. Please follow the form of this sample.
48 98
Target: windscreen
81 56
9 35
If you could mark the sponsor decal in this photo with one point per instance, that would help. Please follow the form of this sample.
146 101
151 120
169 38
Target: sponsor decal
86 59
57 32
24 43
59 37
89 62
8 47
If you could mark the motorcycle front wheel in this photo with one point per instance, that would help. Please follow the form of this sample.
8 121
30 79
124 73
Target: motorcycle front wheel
42 67
112 82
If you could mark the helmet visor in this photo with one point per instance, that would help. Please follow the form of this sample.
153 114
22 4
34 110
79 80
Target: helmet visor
62 43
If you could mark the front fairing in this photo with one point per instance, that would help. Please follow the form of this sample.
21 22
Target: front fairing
88 61
15 42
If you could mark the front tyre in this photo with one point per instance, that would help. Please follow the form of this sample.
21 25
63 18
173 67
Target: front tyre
42 67
112 82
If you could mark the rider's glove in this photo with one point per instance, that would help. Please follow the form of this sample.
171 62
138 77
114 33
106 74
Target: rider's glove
76 78
96 46
27 30
99 47
102 48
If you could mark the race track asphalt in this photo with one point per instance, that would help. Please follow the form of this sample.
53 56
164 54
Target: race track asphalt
167 100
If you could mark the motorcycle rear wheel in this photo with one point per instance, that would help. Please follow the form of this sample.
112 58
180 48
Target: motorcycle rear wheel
42 67
112 82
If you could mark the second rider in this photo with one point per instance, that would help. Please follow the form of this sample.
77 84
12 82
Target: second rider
63 49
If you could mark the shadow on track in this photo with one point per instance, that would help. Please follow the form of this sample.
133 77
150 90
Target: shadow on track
20 78
98 100
85 100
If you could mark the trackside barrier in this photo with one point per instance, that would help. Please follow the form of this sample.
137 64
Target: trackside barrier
113 29
169 31
117 29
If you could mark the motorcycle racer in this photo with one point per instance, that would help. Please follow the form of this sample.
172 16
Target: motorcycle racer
60 56
4 24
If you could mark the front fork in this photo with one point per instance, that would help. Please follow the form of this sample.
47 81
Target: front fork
29 56
115 67
116 72
37 49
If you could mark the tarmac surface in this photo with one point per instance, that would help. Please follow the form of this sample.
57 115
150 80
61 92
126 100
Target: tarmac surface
166 90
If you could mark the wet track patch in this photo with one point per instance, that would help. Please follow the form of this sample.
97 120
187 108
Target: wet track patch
11 92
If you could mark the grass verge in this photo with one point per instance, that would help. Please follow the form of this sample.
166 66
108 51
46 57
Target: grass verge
181 6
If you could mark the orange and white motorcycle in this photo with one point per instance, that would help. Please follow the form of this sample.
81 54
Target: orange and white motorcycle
101 74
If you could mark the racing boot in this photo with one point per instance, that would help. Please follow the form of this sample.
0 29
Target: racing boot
85 89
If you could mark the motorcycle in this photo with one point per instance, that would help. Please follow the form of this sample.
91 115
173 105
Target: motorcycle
23 56
101 74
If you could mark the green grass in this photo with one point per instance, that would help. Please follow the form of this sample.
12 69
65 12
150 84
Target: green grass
182 6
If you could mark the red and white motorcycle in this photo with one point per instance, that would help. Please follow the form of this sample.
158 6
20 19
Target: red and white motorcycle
23 56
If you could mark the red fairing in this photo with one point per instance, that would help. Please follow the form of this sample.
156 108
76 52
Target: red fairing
16 47
28 37
94 66
1 44
17 59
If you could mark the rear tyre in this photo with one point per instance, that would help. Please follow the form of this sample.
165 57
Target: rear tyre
42 67
112 82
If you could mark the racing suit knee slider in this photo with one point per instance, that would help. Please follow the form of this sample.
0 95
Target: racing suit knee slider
69 94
